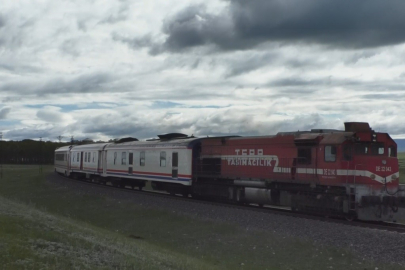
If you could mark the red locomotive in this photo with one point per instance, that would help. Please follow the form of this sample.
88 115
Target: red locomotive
351 173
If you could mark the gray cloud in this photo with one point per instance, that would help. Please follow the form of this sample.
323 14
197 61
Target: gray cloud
70 47
4 112
120 15
87 83
246 24
346 23
251 63
50 115
140 42
2 20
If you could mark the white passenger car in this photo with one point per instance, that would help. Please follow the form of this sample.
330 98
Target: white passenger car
87 159
62 160
167 162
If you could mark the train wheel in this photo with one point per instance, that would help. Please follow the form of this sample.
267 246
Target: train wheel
351 216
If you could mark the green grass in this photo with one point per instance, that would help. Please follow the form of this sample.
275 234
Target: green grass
46 226
33 239
401 161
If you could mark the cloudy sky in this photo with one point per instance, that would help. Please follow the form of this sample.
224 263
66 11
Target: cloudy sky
109 69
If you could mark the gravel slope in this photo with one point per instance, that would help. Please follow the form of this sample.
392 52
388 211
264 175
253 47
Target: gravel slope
380 246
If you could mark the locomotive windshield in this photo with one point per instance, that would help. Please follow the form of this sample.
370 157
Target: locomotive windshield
374 149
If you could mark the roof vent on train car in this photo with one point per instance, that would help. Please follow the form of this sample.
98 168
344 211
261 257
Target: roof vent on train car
171 136
357 127
127 139
317 130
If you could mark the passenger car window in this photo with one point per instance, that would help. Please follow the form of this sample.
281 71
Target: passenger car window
162 159
142 159
124 158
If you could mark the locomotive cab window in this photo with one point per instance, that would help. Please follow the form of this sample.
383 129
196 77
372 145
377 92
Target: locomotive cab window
304 156
347 152
362 149
115 157
162 159
377 149
392 151
330 153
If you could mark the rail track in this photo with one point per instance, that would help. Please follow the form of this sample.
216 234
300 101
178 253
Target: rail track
385 226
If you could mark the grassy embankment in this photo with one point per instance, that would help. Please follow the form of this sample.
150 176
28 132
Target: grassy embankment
44 226
401 161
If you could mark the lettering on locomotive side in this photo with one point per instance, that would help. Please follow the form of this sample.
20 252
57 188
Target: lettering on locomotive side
329 172
252 152
383 169
251 157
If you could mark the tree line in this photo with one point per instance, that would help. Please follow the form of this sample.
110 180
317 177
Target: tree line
34 152
28 151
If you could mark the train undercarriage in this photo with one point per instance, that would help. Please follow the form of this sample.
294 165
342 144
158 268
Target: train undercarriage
318 200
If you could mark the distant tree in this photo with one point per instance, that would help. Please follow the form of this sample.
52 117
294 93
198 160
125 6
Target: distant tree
28 151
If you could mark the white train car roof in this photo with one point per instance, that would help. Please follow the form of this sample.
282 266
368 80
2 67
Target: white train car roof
170 144
90 147
63 148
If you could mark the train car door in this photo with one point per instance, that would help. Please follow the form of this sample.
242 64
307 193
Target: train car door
130 162
99 162
81 161
68 160
104 159
175 164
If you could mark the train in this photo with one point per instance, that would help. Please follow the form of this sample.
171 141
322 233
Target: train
351 173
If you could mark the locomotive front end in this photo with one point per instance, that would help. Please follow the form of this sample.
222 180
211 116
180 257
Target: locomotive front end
373 189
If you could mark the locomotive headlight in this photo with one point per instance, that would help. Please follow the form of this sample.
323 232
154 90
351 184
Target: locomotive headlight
372 176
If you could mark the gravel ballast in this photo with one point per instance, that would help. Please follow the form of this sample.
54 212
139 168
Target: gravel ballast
369 244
